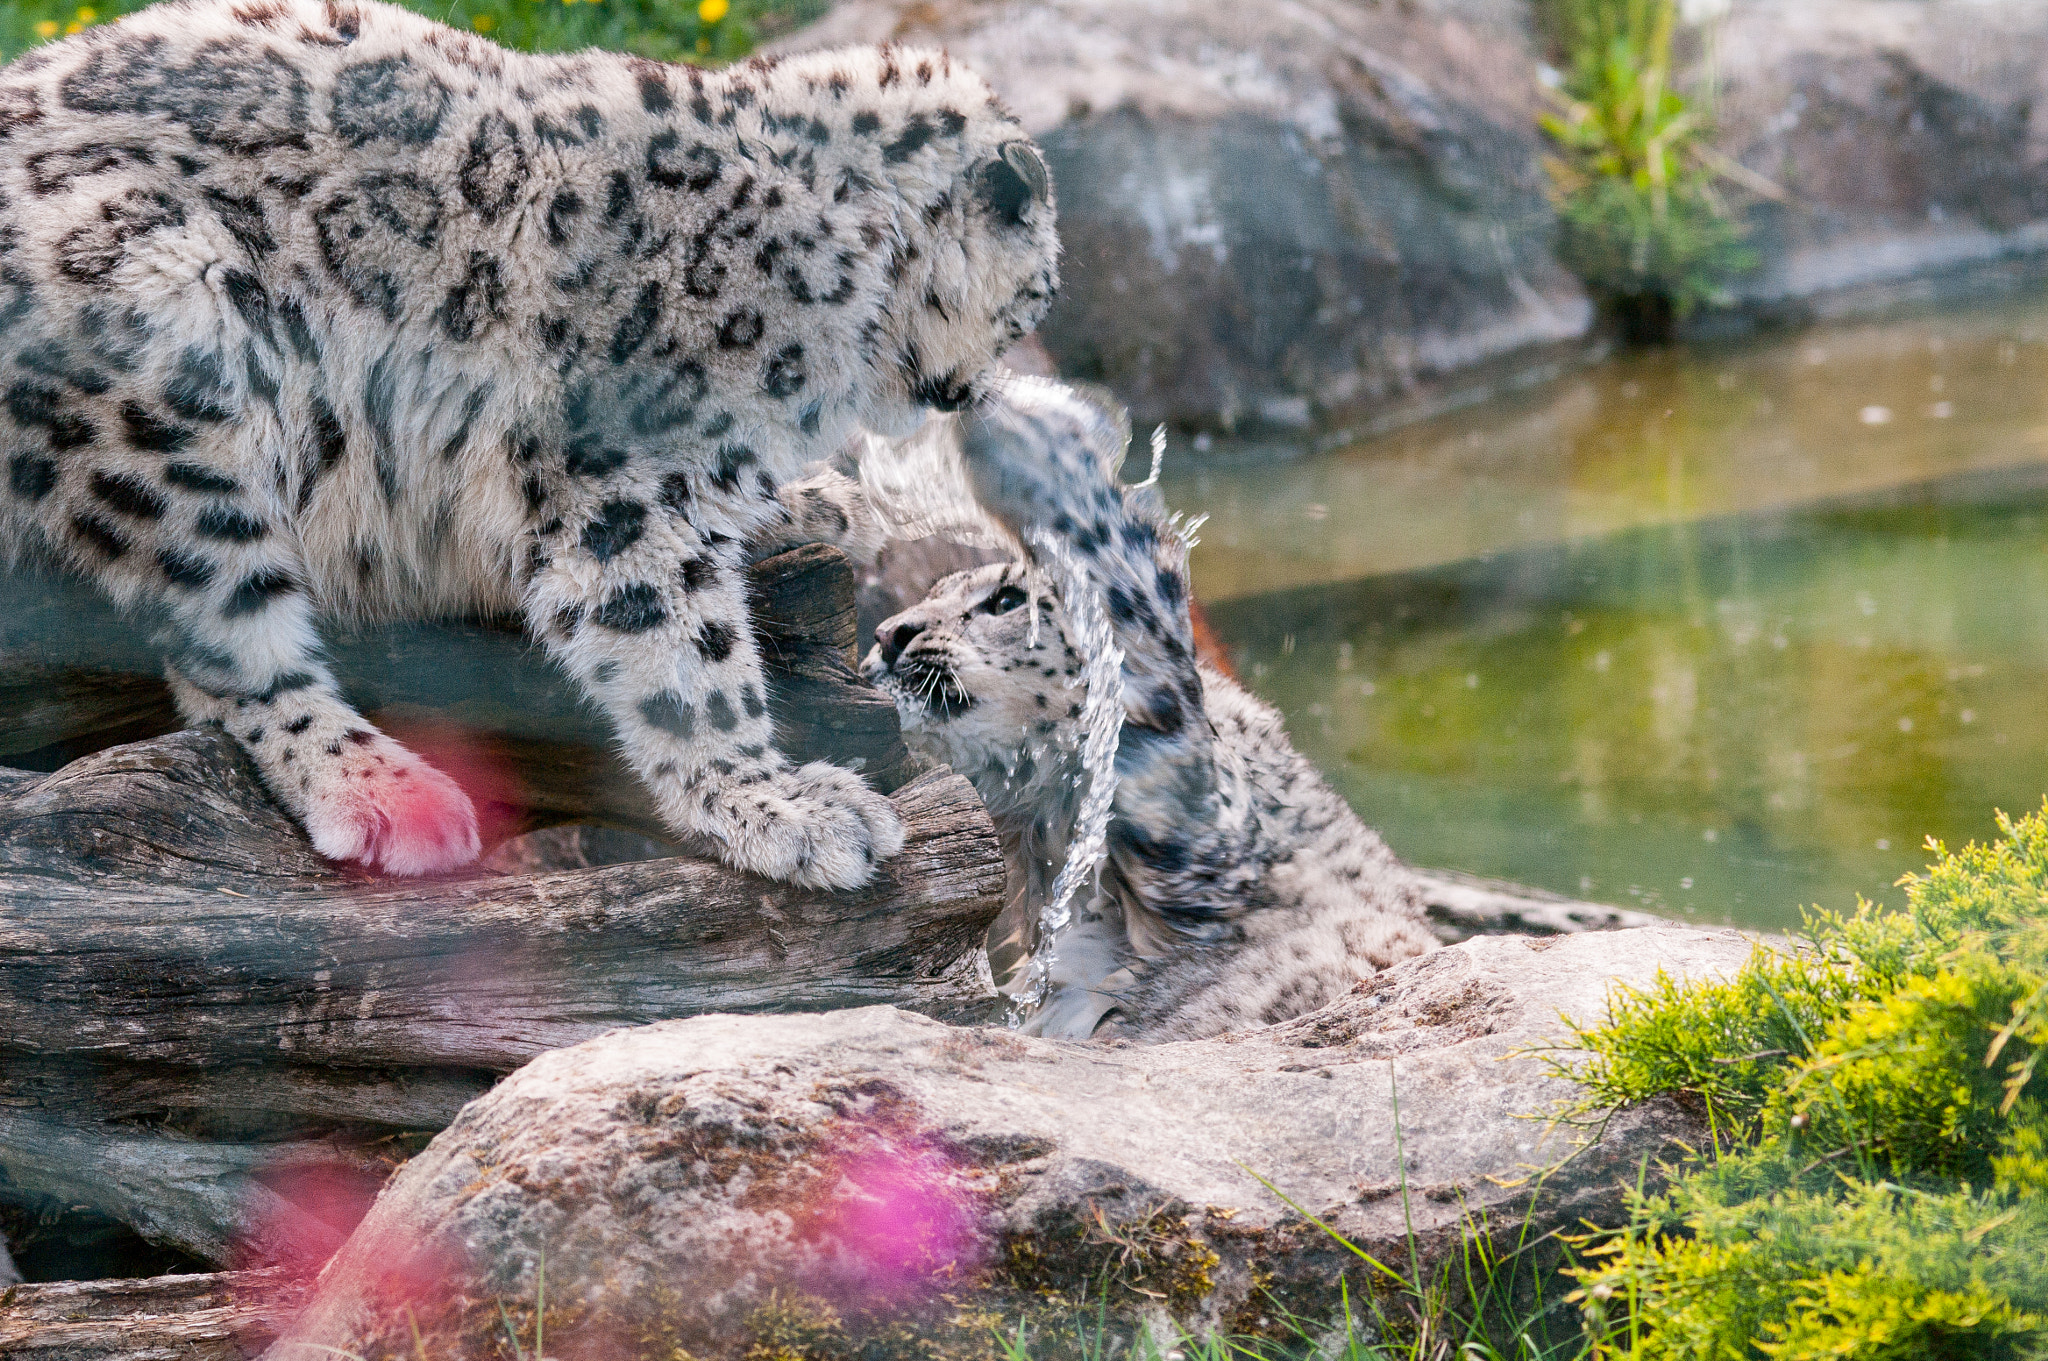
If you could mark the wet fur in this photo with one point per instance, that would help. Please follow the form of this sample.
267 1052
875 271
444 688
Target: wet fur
1240 889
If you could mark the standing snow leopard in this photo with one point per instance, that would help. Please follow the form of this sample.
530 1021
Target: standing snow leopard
1239 888
318 306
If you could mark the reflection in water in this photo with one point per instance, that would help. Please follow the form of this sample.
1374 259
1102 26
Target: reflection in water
1647 439
1715 662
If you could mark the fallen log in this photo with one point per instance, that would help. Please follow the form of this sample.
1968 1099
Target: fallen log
190 997
224 1316
76 676
156 908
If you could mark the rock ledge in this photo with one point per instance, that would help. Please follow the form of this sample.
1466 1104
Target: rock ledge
674 1175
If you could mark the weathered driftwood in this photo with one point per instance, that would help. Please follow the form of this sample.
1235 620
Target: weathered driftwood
264 1202
156 908
183 983
174 961
224 1316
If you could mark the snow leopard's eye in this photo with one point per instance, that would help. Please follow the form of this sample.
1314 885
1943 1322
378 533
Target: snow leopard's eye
1005 600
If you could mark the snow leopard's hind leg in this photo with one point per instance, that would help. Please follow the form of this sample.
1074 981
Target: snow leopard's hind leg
651 617
160 473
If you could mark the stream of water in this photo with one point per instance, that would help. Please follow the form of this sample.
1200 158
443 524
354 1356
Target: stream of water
1717 632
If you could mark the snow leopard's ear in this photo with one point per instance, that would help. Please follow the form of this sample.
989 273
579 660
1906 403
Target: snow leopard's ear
1013 180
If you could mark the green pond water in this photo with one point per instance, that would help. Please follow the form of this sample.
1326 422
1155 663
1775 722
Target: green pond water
1713 632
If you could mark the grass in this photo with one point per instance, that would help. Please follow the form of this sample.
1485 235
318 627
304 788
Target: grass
704 31
1881 1184
1633 180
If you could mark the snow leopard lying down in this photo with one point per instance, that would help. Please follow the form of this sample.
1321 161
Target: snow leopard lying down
1239 888
316 306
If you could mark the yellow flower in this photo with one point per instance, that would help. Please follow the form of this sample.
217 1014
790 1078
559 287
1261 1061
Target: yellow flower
74 27
711 11
86 14
47 29
484 23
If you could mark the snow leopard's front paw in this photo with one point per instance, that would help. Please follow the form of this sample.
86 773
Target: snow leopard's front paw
377 803
816 825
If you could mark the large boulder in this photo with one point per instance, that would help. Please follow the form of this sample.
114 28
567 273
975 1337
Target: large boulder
1275 213
1326 212
1910 138
729 1182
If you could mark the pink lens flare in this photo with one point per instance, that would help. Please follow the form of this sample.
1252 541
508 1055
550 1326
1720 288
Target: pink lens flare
896 1216
469 758
299 1213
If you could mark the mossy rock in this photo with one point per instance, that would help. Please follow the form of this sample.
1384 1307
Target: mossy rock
871 1183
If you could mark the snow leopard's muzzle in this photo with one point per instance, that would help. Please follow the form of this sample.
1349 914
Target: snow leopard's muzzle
916 664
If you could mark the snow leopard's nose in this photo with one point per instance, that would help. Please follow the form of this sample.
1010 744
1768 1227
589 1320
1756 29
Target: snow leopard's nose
894 637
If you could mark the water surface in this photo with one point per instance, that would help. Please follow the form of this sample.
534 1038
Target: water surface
1719 632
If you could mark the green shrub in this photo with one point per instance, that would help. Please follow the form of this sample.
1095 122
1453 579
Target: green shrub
667 30
1638 217
1883 1185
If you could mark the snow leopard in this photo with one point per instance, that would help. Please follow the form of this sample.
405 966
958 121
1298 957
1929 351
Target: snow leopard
1239 889
319 308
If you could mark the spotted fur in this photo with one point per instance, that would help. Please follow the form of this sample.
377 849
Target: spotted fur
1240 889
316 306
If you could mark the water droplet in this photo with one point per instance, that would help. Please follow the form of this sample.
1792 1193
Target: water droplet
1884 843
1685 882
1710 835
1875 415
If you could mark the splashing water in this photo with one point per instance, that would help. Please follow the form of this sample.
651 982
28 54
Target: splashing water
920 487
1102 721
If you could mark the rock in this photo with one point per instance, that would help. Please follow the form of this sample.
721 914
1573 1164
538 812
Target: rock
713 1184
1330 213
1275 214
1909 138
